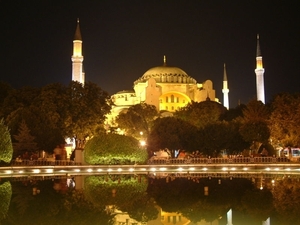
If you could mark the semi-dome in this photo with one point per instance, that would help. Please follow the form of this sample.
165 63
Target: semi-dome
166 74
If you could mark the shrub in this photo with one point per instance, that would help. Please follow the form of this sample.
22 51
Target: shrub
114 149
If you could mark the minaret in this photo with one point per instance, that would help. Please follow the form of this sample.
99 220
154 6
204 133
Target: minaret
77 58
259 71
225 89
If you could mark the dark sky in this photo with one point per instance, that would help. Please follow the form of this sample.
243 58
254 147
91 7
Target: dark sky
123 39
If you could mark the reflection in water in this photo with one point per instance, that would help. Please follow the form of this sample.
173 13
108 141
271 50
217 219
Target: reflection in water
141 199
5 196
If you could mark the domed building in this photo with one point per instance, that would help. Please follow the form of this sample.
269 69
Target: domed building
166 87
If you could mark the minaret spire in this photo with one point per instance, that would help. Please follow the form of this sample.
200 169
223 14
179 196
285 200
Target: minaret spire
259 71
225 89
77 58
165 60
258 53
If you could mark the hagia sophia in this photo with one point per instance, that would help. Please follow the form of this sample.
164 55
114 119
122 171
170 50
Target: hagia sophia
166 87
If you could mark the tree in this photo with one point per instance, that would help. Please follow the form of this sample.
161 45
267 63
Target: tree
172 133
114 149
87 106
254 128
25 141
284 120
219 136
201 113
137 118
6 149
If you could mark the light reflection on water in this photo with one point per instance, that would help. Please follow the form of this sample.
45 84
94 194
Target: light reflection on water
154 198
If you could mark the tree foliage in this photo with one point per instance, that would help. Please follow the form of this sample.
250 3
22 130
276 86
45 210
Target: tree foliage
25 142
6 148
87 106
254 128
284 120
201 113
55 112
114 149
172 133
219 136
137 118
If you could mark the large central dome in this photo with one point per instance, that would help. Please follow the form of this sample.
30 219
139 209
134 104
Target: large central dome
166 74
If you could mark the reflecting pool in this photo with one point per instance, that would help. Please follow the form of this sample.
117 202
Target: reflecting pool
153 199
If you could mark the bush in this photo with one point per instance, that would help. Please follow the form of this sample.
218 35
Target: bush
6 149
114 149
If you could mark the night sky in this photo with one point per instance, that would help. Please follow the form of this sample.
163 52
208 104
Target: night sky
123 39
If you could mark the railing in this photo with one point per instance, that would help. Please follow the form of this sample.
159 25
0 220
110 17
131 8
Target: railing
170 161
237 160
43 163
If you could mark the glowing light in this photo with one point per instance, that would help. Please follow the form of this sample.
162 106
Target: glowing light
131 169
180 169
245 168
276 169
36 171
8 171
205 169
224 168
99 170
21 171
153 169
49 170
268 169
192 168
120 169
77 170
109 170
233 168
89 170
163 169
288 169
142 143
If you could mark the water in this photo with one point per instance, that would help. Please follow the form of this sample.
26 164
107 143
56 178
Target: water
148 199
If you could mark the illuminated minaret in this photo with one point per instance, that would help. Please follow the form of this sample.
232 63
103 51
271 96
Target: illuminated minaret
77 58
259 71
225 89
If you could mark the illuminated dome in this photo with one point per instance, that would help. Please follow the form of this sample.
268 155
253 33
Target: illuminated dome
166 74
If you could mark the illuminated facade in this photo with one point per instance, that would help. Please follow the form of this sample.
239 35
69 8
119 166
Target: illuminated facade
166 87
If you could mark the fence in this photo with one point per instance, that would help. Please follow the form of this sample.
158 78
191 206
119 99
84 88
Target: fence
237 160
43 163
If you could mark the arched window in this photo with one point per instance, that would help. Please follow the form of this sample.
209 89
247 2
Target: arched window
167 99
172 98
